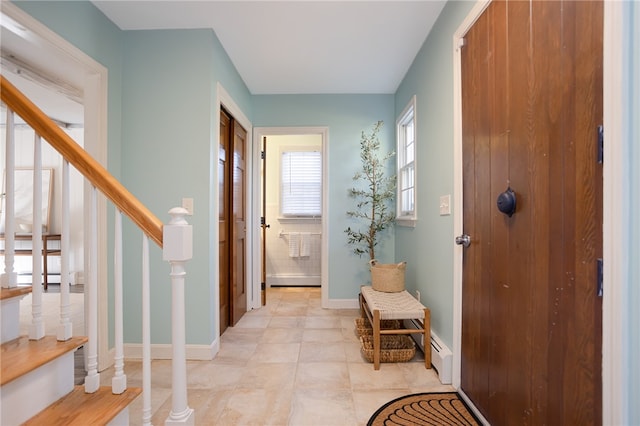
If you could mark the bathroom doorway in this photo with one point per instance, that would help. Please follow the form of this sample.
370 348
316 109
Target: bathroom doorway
290 209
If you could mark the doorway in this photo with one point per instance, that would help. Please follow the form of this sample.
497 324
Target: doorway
531 313
291 250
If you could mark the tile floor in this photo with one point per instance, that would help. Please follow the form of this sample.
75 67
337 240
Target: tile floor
288 363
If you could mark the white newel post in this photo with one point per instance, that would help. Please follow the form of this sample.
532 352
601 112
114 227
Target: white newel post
177 250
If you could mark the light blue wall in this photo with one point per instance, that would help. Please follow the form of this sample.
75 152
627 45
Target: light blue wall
167 113
346 116
632 50
428 248
169 153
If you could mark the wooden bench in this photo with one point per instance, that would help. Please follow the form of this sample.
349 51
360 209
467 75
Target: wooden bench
377 306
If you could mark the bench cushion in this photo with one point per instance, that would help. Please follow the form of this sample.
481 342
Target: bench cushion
399 305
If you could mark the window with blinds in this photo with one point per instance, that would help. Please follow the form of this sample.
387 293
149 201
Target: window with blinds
301 183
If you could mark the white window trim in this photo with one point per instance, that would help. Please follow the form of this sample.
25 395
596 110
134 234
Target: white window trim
407 219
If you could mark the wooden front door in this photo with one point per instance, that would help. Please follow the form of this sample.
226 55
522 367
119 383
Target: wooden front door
531 313
232 227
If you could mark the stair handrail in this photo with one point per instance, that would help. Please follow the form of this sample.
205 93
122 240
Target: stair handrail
93 171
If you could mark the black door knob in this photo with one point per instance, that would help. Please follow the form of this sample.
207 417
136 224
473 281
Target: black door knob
507 202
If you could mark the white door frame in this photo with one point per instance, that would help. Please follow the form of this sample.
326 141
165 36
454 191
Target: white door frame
258 134
95 143
614 380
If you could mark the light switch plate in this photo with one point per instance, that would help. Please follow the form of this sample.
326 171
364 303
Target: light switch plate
187 203
445 205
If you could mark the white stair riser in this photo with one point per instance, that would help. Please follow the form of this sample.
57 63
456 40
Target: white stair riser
28 395
10 311
121 419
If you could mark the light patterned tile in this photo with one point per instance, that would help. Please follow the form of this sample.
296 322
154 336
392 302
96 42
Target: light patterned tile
322 352
322 375
323 322
256 407
287 322
254 321
215 376
235 353
282 335
389 376
322 407
322 335
276 352
269 376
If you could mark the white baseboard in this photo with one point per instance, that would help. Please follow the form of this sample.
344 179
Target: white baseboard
165 351
293 280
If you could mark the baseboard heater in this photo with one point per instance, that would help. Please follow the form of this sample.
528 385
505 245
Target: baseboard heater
441 356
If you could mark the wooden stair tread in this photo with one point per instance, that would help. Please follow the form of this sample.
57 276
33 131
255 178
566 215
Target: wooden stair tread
81 409
21 355
8 293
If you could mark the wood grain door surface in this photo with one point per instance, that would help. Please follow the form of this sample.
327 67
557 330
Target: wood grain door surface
232 222
224 203
239 232
531 313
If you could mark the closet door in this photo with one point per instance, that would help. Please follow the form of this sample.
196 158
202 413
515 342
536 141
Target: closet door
239 227
224 211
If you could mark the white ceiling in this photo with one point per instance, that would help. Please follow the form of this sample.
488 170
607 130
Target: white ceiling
278 47
299 47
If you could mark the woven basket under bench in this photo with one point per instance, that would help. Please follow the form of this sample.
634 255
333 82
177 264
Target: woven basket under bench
393 348
364 327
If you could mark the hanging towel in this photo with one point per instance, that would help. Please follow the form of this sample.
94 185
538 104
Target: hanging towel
294 244
305 244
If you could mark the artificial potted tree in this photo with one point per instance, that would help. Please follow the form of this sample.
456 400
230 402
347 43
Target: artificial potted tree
375 195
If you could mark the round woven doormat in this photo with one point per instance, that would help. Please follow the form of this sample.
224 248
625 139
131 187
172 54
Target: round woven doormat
424 409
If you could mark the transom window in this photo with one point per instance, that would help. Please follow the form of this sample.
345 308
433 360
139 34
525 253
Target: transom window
406 148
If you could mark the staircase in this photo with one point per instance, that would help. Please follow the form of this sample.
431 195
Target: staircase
37 379
37 371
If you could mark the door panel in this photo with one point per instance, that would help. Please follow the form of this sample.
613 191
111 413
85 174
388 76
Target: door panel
223 222
531 321
238 249
263 225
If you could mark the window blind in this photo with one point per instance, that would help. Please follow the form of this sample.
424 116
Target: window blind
301 183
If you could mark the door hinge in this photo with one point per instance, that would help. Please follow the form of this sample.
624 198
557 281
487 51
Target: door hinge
600 277
263 286
263 221
600 144
262 155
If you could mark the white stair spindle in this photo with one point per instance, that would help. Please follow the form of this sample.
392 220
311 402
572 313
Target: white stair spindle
119 380
36 328
65 329
146 334
92 380
9 277
177 250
